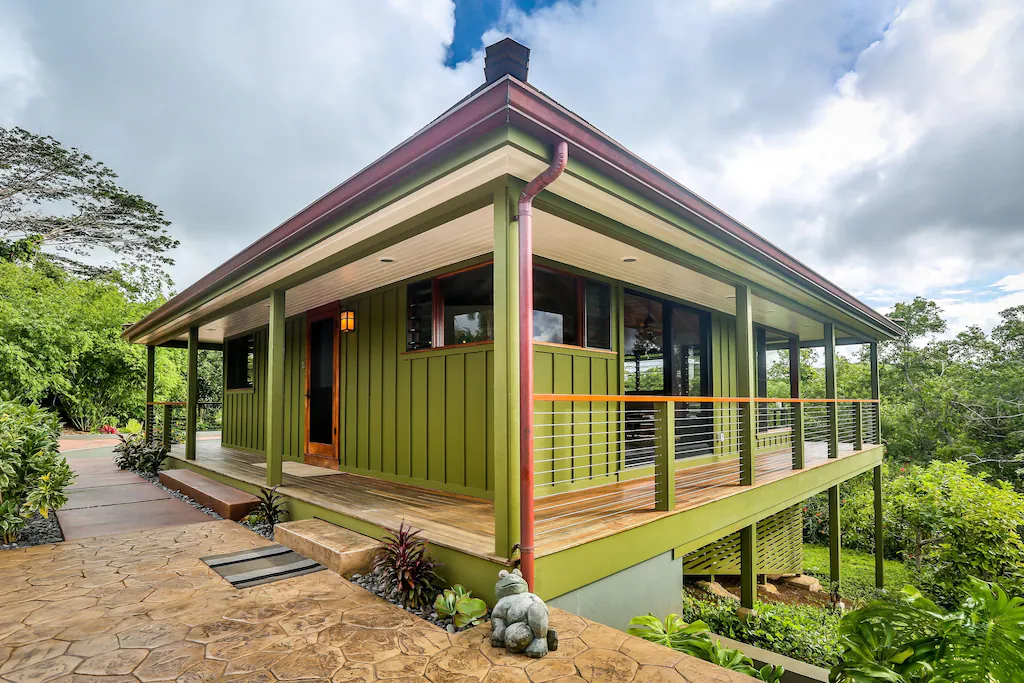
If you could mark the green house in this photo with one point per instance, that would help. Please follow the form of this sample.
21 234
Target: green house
383 363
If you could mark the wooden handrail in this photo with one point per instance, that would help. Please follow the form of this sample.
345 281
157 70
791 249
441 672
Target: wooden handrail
635 398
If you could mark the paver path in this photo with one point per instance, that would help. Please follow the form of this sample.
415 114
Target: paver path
143 607
106 500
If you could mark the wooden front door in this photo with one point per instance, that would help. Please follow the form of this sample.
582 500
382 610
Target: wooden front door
322 387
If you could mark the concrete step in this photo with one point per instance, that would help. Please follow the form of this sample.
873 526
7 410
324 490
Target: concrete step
335 547
226 501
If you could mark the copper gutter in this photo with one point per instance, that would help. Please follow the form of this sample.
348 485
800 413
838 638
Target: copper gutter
525 219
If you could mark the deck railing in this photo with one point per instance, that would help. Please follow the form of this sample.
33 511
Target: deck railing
168 419
596 457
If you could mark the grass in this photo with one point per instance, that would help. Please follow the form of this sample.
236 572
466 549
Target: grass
857 572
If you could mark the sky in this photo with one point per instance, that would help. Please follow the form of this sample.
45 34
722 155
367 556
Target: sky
879 141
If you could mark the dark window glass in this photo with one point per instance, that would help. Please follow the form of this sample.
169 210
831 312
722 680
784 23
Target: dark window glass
555 307
687 349
468 301
644 355
321 380
599 314
420 334
240 352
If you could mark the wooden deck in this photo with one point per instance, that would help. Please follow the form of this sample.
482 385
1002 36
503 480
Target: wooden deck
466 524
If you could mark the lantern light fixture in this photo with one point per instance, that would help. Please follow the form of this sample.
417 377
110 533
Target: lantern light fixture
347 321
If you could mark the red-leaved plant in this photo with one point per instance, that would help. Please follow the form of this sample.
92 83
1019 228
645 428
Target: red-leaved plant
402 565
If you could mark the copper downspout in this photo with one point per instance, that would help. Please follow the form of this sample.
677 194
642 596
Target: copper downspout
525 218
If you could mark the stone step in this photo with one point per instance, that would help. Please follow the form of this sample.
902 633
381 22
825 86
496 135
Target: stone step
339 549
226 501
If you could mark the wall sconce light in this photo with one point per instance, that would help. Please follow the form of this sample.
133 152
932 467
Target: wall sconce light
347 321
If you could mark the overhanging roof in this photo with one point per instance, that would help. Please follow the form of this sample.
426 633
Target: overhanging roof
506 102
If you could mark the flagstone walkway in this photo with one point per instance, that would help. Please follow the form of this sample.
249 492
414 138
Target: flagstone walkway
143 607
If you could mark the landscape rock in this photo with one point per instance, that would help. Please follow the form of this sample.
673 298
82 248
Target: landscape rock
716 588
804 582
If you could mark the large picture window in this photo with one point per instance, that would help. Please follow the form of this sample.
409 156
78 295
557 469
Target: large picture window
240 355
459 309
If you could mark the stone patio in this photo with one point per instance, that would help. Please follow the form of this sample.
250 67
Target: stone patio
143 607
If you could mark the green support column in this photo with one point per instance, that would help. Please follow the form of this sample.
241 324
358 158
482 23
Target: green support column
834 540
168 417
150 389
748 566
275 389
665 457
876 393
506 371
797 408
745 383
830 390
192 402
879 530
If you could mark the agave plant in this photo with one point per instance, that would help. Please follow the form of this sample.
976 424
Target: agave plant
404 569
913 639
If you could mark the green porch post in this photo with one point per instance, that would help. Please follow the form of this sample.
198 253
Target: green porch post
150 389
798 408
275 388
192 402
748 566
665 457
168 418
830 390
879 531
834 540
876 393
506 371
745 385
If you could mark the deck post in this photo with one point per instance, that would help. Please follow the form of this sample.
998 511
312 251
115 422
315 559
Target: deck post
275 388
798 408
150 390
168 417
665 457
834 540
506 370
879 530
745 384
876 393
858 426
748 566
192 402
830 390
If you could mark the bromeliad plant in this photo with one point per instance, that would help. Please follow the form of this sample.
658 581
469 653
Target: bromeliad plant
33 474
459 605
914 639
695 640
270 510
404 569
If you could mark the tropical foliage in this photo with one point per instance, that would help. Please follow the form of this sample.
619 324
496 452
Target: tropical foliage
270 509
458 604
404 569
913 639
135 453
695 640
33 474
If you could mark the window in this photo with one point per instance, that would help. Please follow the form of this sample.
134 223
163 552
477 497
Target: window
240 354
459 309
644 357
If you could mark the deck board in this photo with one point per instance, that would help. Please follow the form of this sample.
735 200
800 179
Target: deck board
466 524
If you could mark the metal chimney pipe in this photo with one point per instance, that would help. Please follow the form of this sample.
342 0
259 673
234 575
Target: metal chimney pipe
525 218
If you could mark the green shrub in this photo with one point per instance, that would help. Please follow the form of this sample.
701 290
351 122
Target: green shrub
135 453
914 639
803 632
33 474
695 640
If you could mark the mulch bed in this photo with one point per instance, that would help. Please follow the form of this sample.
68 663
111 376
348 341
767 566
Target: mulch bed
38 530
371 583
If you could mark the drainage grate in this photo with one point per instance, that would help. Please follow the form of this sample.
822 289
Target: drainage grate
261 565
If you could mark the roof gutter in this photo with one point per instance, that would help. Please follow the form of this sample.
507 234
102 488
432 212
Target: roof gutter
526 493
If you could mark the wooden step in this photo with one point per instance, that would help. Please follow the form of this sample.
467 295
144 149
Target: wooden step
226 501
335 547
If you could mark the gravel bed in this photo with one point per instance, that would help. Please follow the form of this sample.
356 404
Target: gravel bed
38 530
370 582
154 479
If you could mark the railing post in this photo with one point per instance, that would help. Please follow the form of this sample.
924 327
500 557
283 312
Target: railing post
665 456
799 454
150 381
168 408
858 426
745 384
875 393
830 390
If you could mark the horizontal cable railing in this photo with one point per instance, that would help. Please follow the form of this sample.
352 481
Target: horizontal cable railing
598 457
168 420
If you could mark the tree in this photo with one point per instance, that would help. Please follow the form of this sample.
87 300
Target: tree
60 204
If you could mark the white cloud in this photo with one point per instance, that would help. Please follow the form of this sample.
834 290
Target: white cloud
1011 283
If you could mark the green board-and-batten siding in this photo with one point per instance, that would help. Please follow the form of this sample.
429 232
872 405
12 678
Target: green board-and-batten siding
243 423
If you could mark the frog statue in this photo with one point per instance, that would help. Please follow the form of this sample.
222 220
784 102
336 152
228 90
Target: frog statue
519 621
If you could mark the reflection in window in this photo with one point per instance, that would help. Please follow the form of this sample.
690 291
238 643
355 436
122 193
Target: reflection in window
468 300
644 357
599 314
555 307
240 357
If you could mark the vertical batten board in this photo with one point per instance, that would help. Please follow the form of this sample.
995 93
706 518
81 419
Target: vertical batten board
393 329
375 329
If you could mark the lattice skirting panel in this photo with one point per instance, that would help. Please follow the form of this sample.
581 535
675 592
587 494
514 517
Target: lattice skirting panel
779 548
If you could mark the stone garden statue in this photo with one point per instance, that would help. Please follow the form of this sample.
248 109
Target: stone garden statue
519 622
